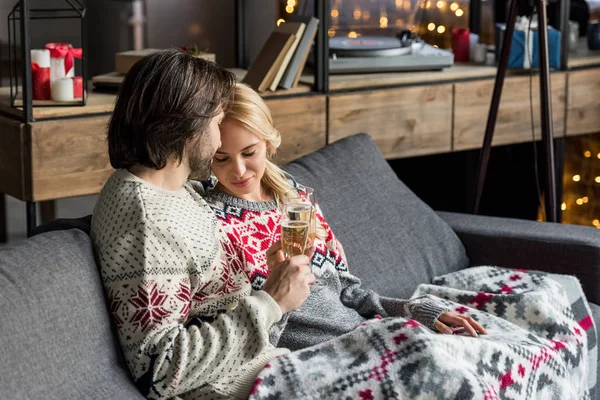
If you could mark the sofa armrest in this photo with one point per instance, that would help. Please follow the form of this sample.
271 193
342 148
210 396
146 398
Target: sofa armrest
542 246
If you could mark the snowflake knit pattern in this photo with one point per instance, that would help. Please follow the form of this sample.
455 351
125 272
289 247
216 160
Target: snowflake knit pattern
536 348
188 321
339 307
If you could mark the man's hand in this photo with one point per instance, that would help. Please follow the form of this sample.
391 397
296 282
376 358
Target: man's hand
450 318
289 280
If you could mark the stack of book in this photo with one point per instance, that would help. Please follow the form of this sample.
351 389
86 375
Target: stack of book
282 58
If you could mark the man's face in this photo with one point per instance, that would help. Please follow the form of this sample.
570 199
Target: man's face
202 149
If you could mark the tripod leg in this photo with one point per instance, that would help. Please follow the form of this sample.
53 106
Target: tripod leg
484 155
546 115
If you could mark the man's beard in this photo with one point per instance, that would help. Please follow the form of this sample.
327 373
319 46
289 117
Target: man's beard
200 157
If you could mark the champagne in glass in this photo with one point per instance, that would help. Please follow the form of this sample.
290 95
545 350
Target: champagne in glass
295 228
300 206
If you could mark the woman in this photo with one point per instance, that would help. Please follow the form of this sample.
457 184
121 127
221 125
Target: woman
247 198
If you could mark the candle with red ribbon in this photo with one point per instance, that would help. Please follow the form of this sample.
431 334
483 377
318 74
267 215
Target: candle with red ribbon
62 59
40 74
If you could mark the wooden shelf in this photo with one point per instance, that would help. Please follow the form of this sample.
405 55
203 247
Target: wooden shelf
97 103
103 103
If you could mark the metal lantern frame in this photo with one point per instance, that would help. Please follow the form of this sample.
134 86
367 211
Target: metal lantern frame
19 23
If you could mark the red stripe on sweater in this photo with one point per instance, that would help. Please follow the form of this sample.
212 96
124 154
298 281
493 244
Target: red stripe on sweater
586 323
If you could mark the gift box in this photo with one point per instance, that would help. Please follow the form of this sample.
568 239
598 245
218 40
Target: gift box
524 50
525 53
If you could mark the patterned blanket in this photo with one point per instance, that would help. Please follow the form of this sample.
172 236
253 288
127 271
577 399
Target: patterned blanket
538 346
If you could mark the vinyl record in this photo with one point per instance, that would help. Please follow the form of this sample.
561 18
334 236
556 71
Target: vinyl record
367 46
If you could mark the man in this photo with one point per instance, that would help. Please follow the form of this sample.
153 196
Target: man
188 321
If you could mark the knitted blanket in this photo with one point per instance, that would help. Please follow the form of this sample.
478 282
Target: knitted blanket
536 348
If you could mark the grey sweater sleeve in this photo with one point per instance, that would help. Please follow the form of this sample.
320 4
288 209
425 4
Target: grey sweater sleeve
367 303
277 329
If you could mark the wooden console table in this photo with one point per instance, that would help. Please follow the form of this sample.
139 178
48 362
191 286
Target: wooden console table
63 153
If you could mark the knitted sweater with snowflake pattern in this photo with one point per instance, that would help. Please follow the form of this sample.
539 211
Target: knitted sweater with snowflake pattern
188 321
338 308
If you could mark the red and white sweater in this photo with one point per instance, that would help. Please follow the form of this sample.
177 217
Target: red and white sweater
253 227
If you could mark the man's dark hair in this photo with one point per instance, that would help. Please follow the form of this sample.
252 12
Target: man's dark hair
165 99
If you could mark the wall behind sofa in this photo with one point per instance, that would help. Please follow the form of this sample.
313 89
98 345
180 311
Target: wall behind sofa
207 23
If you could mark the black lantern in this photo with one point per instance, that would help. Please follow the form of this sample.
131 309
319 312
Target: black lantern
21 20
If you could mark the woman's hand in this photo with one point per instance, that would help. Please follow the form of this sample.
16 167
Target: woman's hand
449 319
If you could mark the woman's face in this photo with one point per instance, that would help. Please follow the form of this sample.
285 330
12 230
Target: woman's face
239 163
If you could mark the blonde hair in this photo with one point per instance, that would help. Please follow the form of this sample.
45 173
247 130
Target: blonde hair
250 110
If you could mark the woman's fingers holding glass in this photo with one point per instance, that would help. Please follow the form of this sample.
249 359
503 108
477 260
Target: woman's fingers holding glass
275 255
310 250
274 248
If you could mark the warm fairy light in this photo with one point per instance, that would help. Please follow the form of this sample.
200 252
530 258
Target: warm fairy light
459 13
428 4
595 222
280 21
352 35
335 13
441 29
436 46
587 154
291 3
597 179
598 155
399 3
563 206
289 9
454 6
431 26
576 178
579 202
357 13
383 22
366 15
585 199
440 4
331 32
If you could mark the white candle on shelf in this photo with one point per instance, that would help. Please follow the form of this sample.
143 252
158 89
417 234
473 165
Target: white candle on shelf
62 89
57 69
41 57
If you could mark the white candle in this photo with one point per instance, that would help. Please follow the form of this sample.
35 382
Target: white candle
480 56
41 57
62 89
57 69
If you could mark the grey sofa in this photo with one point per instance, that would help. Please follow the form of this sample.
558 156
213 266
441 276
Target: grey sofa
55 333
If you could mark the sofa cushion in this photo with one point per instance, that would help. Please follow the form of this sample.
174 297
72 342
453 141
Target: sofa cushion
388 233
55 334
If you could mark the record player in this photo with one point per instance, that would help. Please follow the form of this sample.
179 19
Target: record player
405 52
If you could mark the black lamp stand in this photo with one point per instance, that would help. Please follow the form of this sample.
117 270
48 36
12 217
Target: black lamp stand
545 104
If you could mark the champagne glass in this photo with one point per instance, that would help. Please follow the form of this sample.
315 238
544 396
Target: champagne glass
295 228
299 221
